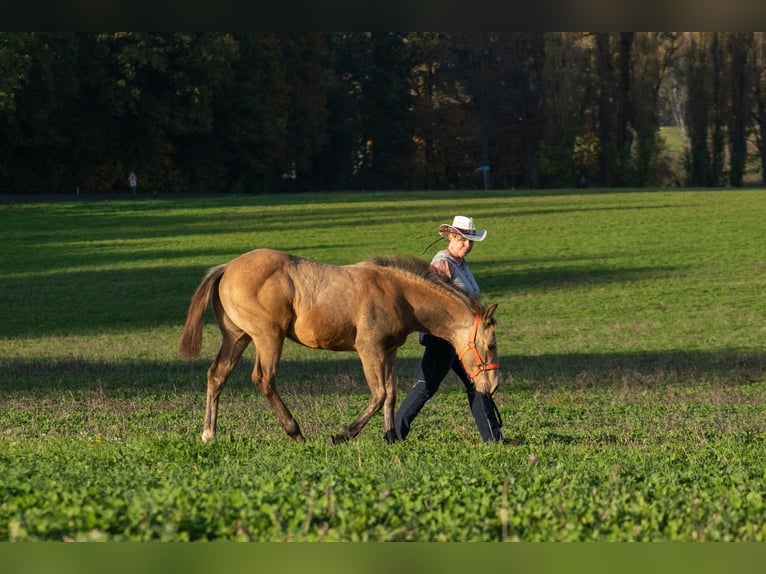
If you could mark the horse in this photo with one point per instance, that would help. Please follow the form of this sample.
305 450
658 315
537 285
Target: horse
265 296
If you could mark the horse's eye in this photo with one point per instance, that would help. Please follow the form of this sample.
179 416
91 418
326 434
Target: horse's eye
491 346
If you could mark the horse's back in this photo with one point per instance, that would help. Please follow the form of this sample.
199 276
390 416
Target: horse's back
316 304
259 260
266 287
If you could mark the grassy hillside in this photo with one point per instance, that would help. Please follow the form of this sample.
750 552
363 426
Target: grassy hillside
631 341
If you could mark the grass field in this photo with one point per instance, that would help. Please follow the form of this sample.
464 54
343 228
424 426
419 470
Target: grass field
631 334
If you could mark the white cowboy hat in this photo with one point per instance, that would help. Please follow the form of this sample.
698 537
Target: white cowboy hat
465 227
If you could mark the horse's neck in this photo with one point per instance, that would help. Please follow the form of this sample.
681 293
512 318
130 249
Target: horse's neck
444 317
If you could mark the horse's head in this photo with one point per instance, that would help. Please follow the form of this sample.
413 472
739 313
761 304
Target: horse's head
479 353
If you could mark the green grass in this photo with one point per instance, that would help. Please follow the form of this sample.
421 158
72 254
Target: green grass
631 329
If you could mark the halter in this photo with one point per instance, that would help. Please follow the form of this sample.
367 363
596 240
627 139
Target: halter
471 346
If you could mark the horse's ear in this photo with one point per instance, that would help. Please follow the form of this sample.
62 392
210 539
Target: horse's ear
489 313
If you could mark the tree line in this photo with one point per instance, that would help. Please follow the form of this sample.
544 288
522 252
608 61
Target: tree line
256 112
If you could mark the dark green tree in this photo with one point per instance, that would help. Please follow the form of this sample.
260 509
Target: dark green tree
567 157
53 119
304 57
718 109
697 110
758 75
740 109
249 138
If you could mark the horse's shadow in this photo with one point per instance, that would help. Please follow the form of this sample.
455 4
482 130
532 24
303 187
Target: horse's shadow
344 374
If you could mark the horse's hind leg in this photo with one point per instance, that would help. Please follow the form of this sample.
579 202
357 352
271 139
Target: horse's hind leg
267 354
229 354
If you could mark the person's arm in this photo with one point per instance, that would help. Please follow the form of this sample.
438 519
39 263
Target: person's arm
442 266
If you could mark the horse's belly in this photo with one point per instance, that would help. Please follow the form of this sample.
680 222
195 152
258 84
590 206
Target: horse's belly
322 338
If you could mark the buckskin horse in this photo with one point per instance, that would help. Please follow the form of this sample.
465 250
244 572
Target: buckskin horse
370 307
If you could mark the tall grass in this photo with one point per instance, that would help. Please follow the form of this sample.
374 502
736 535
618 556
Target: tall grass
631 341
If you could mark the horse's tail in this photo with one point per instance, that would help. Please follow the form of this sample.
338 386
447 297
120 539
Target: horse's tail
191 339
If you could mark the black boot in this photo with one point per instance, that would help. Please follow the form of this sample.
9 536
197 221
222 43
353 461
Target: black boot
485 414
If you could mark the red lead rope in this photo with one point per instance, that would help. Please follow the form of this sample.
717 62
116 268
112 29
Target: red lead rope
482 366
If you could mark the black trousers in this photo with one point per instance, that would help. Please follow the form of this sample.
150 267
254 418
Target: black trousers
439 357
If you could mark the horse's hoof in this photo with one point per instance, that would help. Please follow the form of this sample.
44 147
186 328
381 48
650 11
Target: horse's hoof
337 439
207 437
390 436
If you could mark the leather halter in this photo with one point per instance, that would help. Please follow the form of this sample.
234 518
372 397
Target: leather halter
471 346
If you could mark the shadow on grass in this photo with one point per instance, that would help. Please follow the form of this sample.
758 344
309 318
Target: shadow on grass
81 302
85 302
564 276
639 368
344 376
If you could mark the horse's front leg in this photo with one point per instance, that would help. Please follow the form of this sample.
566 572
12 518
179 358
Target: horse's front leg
379 372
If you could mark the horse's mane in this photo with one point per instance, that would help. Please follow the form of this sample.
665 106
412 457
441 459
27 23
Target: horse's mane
423 271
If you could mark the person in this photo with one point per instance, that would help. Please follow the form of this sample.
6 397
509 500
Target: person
439 356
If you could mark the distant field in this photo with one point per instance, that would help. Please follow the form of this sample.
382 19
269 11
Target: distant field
631 335
676 146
